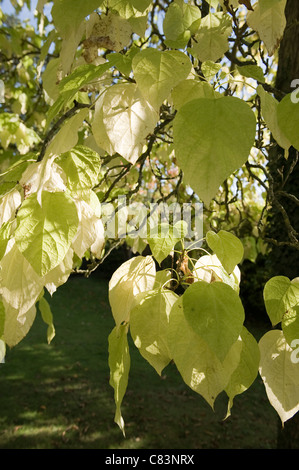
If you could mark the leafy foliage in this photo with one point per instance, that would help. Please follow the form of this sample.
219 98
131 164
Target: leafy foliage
134 101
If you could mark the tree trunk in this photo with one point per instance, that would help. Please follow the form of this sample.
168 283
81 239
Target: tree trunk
285 260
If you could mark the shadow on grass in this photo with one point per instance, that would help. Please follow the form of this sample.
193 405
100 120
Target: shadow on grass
58 395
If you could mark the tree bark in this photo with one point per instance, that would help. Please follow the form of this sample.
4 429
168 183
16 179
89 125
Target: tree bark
285 260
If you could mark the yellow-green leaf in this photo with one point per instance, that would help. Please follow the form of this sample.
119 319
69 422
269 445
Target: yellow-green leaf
280 374
119 364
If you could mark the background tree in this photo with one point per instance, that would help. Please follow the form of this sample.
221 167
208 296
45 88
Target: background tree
283 257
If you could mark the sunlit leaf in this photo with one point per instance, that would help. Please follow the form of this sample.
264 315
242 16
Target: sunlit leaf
280 374
212 139
44 233
215 312
119 364
133 277
149 321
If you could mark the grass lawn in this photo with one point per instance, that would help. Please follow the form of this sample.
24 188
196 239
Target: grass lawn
58 396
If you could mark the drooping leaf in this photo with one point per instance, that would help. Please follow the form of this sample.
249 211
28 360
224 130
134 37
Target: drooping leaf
81 166
228 248
5 233
2 318
9 203
133 277
211 40
44 233
67 136
17 324
149 321
280 295
215 312
68 15
252 71
269 21
90 230
59 275
199 367
80 77
212 139
42 176
210 69
164 241
72 83
180 22
123 119
2 350
270 114
119 364
280 374
157 73
47 316
132 11
247 369
20 285
290 325
190 89
208 268
123 62
288 119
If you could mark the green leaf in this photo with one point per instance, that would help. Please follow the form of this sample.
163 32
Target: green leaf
149 322
47 317
123 119
81 166
190 89
17 324
212 139
5 233
210 69
157 73
70 86
270 114
68 15
208 268
290 324
80 77
2 318
20 285
44 233
199 367
2 350
280 295
60 274
123 62
288 118
215 312
280 374
211 40
49 79
133 277
163 279
67 136
269 21
163 243
119 364
247 370
228 248
181 20
252 71
141 5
